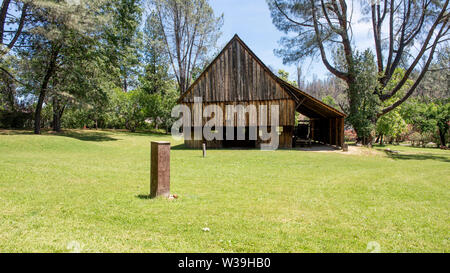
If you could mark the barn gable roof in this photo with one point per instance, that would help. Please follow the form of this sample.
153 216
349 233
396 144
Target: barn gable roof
306 104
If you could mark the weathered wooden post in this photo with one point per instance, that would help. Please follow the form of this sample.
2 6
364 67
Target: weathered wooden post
345 147
160 169
204 149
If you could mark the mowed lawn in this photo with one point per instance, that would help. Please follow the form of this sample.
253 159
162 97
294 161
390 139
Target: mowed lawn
86 191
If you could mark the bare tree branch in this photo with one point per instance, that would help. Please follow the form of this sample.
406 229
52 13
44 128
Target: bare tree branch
323 55
303 24
416 83
400 84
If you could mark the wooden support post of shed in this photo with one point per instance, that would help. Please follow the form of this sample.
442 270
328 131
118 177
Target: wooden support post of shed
330 136
336 126
160 169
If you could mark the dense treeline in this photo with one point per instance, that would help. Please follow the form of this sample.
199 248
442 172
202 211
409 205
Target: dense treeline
99 64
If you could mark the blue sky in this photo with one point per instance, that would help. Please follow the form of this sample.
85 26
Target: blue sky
251 20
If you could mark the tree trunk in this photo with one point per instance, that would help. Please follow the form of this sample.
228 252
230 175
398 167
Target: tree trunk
44 86
363 140
125 84
56 115
56 122
182 84
43 92
37 113
3 15
378 138
9 92
442 137
382 140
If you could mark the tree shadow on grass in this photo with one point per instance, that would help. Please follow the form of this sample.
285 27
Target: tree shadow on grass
425 156
313 147
143 196
11 132
84 136
149 133
88 136
183 147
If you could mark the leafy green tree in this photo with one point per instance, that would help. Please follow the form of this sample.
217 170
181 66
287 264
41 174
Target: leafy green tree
429 111
284 75
85 101
392 124
75 117
440 112
8 85
362 103
123 41
79 80
330 101
128 108
59 29
158 88
429 117
156 77
158 107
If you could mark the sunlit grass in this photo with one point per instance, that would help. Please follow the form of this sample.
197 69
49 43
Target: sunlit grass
89 187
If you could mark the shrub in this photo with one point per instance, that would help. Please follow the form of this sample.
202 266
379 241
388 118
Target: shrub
15 119
350 135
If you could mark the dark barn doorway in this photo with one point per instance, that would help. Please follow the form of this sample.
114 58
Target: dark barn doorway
235 143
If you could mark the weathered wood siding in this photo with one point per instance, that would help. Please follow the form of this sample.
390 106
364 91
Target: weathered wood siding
284 138
286 112
236 75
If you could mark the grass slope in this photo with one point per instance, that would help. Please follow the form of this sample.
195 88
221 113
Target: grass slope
89 188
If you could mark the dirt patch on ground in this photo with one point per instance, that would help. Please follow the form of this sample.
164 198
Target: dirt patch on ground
317 148
359 150
352 150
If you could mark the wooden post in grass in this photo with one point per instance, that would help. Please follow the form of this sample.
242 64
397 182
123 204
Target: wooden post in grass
345 147
204 149
160 169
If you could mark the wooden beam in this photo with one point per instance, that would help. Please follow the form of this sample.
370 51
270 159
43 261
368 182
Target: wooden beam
336 140
330 137
300 103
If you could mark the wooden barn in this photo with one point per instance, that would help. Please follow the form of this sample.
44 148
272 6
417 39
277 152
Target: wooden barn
238 76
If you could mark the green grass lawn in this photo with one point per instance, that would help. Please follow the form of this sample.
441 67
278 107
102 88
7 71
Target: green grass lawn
90 188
